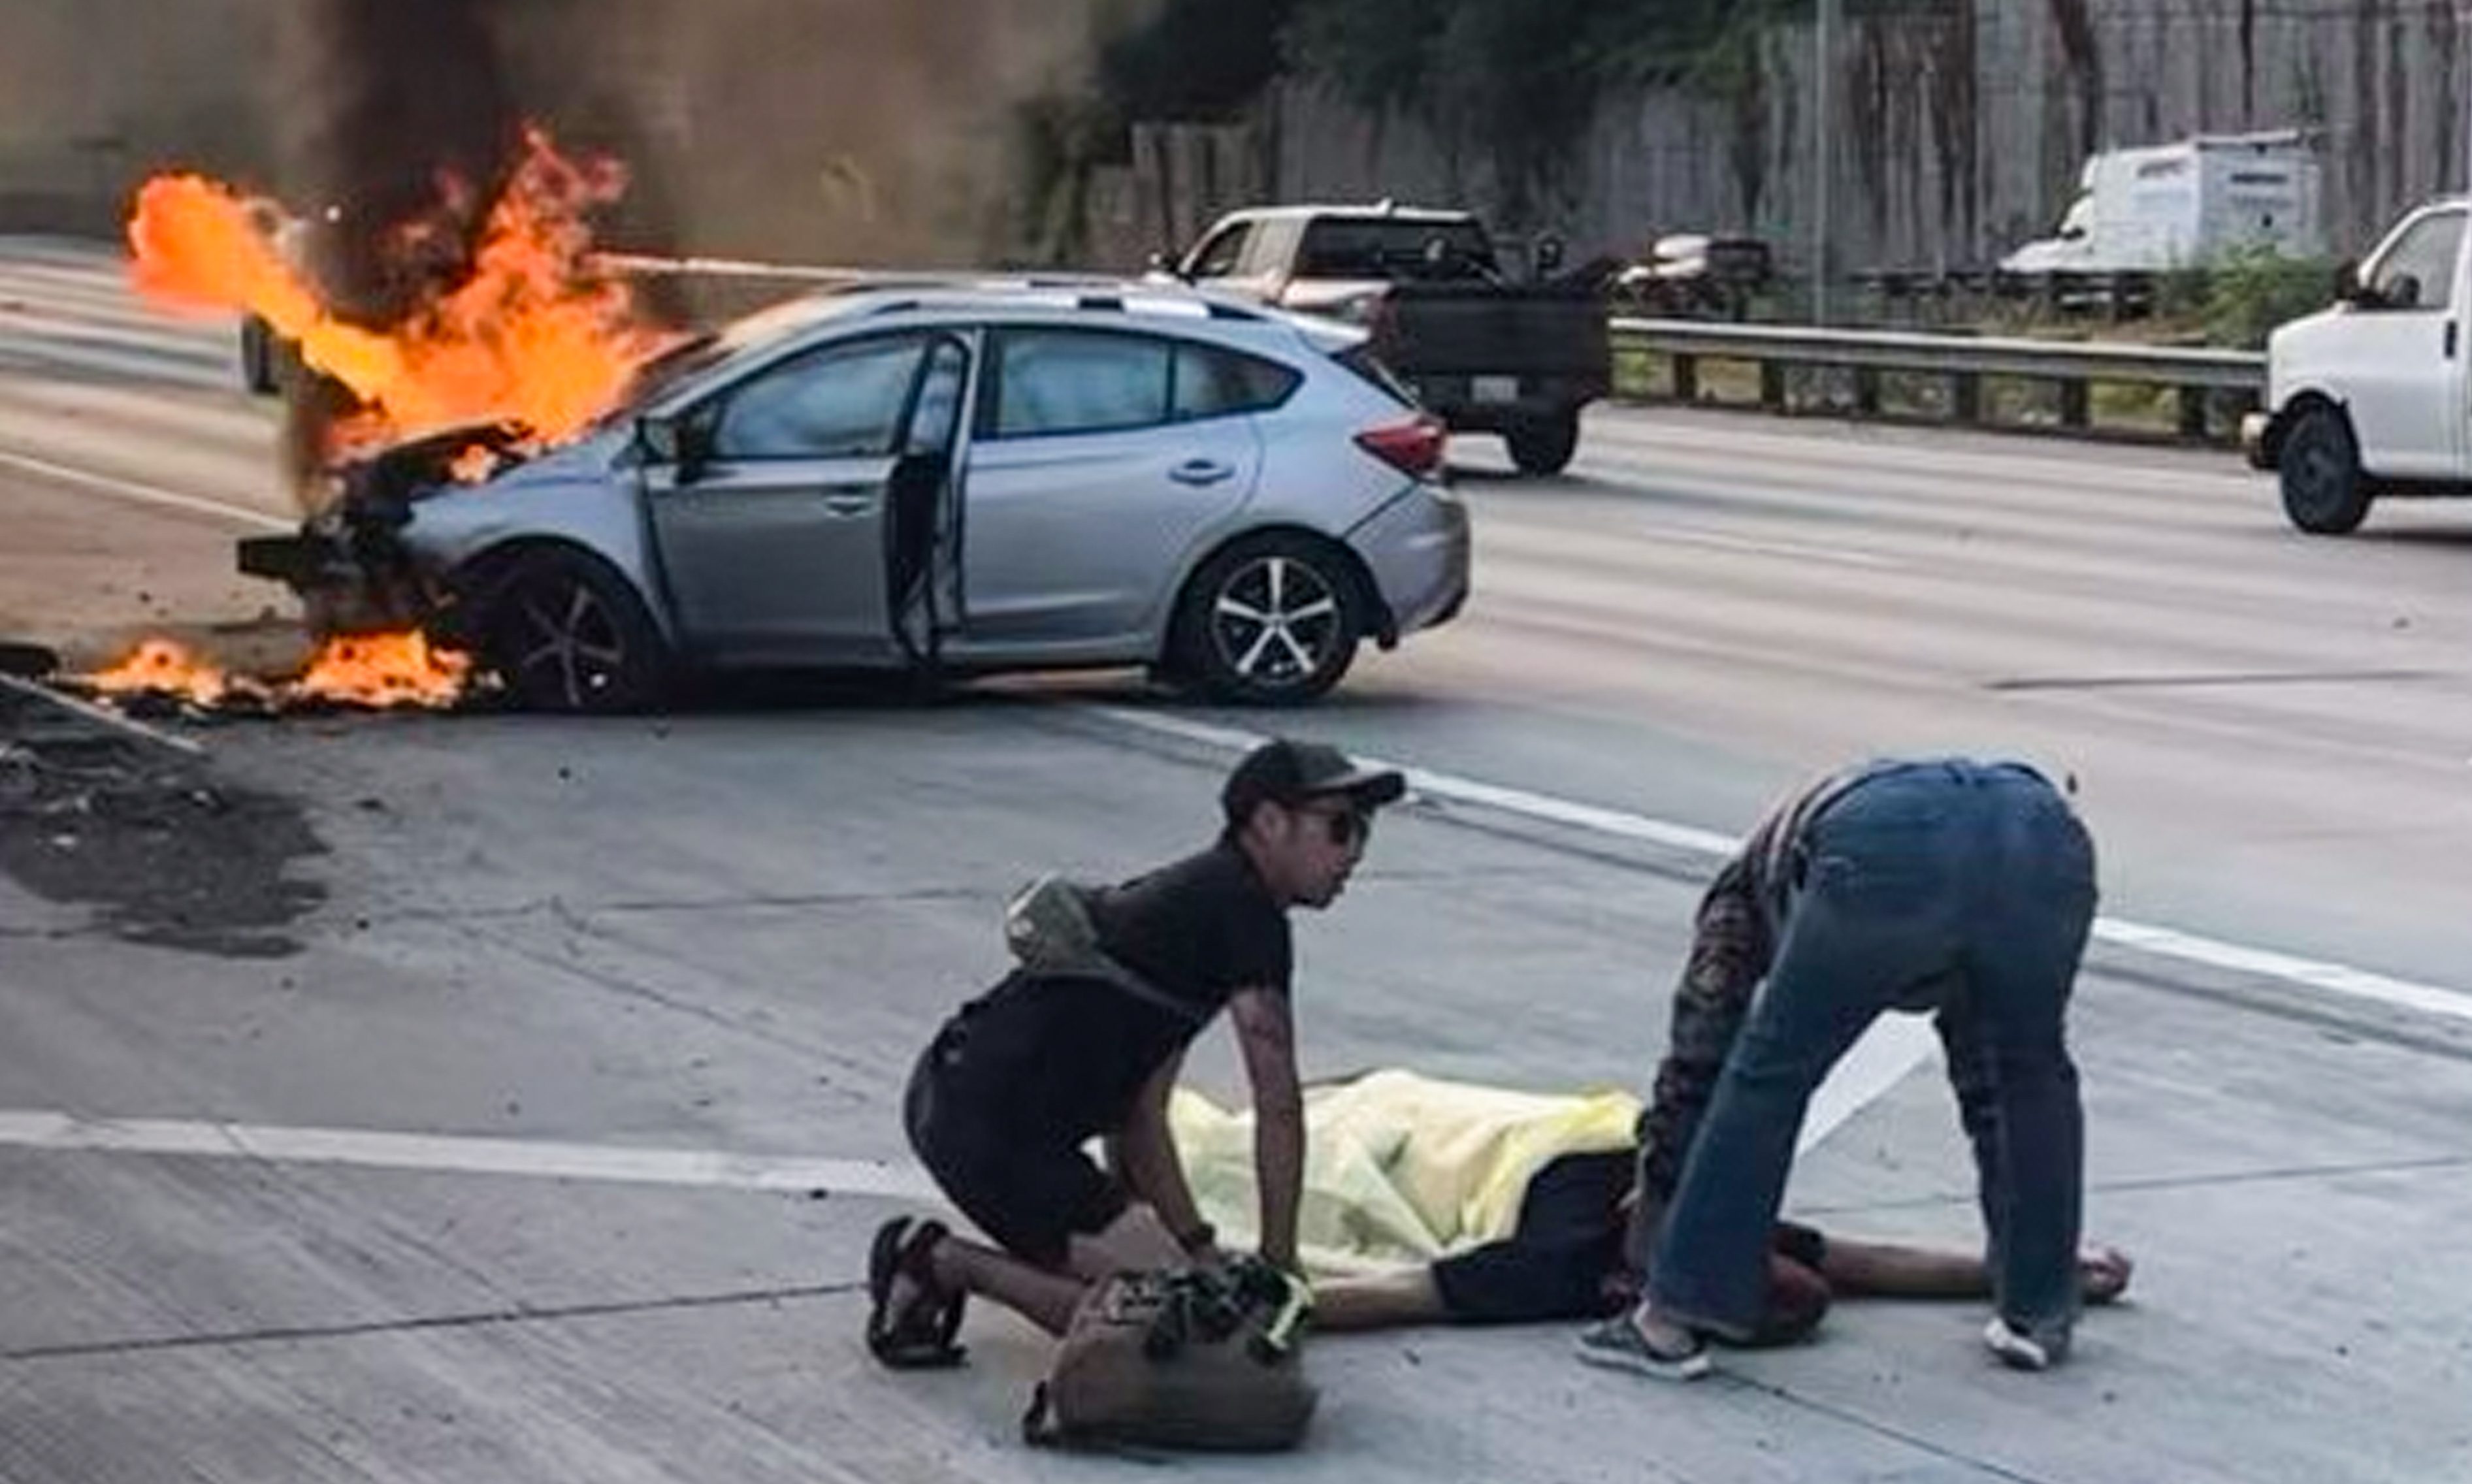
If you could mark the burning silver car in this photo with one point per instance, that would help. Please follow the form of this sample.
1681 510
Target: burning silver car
963 478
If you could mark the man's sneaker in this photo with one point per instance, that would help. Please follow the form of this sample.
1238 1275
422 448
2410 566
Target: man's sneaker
2016 1351
1617 1345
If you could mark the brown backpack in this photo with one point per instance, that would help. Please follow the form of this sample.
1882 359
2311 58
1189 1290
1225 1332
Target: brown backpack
1196 1359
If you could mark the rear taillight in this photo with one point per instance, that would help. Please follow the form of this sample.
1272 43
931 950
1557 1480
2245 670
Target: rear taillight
1415 447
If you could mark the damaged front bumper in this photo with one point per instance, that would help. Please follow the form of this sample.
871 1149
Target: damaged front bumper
349 563
349 581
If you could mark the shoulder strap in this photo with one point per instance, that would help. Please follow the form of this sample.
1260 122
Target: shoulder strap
1049 927
1116 976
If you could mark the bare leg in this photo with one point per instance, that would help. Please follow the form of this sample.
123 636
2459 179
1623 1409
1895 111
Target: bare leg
1378 1301
1135 1240
1884 1269
1045 1299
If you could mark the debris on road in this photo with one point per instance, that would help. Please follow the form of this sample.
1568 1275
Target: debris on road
139 829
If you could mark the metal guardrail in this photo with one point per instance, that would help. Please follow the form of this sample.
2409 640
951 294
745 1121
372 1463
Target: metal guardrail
2199 376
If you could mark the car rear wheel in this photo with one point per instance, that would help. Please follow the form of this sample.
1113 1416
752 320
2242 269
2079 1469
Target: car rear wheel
2319 466
1272 620
562 632
1544 445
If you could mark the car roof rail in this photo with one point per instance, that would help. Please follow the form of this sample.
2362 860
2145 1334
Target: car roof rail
1086 293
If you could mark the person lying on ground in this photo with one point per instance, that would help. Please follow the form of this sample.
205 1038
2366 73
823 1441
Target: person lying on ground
1567 1261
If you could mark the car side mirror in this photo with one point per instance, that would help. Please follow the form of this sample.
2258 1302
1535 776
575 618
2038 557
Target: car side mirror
1549 254
2347 281
684 444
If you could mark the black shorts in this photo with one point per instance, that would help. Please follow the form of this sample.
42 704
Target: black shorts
1030 1193
1561 1260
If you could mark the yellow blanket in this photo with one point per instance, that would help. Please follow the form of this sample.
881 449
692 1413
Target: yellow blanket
1399 1169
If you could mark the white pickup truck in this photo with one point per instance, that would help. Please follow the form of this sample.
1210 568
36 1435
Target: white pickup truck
2370 398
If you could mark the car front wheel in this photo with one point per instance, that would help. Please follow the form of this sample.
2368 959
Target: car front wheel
1272 620
2318 467
562 632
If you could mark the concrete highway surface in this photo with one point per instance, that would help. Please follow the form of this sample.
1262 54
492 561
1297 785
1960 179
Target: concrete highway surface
472 1098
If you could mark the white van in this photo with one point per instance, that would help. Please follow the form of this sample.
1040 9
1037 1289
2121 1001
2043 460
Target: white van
2368 398
2185 204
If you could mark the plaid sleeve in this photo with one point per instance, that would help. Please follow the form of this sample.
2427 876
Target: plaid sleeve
1730 956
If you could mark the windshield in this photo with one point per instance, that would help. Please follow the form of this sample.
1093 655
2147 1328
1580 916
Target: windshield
1362 247
699 353
689 358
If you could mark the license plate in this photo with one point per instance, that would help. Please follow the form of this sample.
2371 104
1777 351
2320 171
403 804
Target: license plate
1496 389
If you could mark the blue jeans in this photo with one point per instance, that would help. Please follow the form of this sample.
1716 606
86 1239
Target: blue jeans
1954 887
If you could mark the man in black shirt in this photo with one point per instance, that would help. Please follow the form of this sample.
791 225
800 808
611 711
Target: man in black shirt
1017 1081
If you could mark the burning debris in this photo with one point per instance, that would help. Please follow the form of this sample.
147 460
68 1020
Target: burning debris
377 671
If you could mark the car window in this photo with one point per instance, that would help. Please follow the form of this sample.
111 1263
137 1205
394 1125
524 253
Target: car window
2418 272
841 402
1079 381
933 421
1392 247
1211 382
1218 256
1272 248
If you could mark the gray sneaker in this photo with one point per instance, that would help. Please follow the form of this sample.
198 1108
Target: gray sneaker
1617 1345
2017 1350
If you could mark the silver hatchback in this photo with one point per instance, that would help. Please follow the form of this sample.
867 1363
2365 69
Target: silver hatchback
957 478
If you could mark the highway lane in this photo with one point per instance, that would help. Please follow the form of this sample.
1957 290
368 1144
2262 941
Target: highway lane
725 932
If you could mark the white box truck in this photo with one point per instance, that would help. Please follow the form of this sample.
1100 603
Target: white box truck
2186 204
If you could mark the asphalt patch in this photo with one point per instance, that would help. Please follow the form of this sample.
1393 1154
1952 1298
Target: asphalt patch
164 852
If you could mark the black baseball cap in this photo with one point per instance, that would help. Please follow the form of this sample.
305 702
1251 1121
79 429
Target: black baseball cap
1287 772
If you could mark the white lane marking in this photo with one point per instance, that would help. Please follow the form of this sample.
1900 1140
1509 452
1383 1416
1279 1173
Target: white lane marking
182 369
34 1129
145 494
1915 1042
102 714
1465 791
1894 1046
2266 963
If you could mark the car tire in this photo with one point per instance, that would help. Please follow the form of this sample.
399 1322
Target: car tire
562 632
2318 467
1543 446
1274 619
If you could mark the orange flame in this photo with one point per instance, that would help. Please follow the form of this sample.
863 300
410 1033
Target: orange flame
384 671
378 671
162 667
533 336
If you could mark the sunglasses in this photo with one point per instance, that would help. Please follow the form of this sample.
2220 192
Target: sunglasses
1345 827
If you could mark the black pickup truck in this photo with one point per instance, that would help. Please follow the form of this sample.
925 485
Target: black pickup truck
1483 351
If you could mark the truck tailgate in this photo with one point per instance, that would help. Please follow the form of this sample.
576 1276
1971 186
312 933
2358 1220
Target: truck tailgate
1482 330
